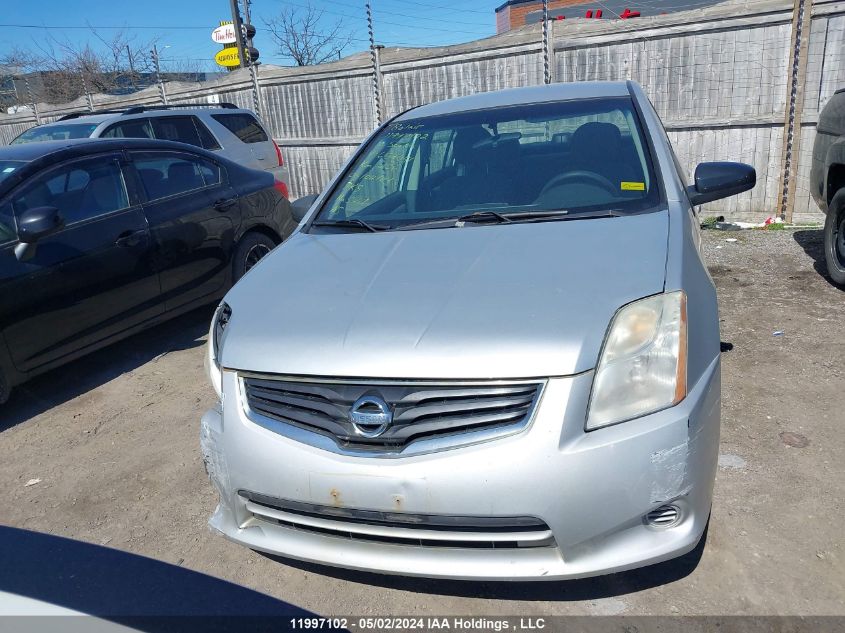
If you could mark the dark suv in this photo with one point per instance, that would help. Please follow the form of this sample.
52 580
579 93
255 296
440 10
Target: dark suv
102 238
827 182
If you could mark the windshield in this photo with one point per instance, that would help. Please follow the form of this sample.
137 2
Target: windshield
550 160
56 132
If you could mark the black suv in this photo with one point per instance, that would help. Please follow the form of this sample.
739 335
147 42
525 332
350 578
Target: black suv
827 182
102 238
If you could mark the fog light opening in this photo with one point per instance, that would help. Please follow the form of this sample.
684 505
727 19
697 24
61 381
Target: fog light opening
663 517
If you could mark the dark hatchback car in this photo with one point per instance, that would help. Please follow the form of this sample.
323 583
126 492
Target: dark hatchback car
827 182
102 238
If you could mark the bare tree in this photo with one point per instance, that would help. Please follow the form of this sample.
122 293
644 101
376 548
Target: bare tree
14 64
305 37
68 69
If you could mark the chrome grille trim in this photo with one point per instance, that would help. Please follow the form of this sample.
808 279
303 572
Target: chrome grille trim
428 415
400 529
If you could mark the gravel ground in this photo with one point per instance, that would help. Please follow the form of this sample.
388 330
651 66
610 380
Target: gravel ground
106 451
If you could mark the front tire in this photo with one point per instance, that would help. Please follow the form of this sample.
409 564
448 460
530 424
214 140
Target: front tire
252 248
834 238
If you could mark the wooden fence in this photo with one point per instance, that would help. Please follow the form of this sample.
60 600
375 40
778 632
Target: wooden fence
736 81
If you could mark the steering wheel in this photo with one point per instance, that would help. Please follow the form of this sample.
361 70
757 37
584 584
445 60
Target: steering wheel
580 177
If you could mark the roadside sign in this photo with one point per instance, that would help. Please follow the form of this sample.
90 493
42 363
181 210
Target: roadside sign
228 57
224 34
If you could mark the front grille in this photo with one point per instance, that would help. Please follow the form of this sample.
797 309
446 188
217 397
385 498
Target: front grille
420 411
401 528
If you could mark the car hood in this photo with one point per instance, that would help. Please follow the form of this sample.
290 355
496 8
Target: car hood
502 301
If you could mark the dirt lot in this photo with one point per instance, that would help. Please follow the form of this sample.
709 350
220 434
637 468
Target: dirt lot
113 443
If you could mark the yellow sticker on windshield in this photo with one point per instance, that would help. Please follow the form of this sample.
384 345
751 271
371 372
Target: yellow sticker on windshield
633 186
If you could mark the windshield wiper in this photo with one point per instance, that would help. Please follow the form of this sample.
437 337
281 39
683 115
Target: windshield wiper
483 216
443 223
564 214
353 223
511 218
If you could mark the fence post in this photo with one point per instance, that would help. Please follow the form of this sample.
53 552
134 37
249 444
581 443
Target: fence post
87 94
802 16
547 75
256 89
31 98
161 91
374 54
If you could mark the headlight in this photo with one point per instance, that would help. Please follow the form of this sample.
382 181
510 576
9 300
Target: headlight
643 364
215 340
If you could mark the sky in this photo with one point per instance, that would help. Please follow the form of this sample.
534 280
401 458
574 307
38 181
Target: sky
185 25
182 28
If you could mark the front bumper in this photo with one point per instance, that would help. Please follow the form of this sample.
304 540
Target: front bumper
592 489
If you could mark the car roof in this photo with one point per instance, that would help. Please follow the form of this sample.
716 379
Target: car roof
90 119
31 151
95 118
46 153
519 96
83 146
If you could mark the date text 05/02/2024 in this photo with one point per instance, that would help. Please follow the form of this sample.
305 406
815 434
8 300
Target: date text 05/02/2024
456 623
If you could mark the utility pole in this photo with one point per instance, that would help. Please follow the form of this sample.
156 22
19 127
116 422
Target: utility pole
131 66
236 20
161 90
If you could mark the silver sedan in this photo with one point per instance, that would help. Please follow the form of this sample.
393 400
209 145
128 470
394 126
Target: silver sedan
490 350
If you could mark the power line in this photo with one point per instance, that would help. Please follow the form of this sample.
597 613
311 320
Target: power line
89 27
184 27
419 17
444 8
408 26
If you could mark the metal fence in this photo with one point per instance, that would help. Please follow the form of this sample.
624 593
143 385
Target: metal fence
737 81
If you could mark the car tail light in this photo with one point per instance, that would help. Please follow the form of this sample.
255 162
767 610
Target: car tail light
281 187
278 153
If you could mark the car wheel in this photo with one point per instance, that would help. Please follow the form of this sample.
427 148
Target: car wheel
250 250
834 238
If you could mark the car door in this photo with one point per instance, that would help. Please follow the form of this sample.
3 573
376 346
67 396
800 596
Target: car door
192 211
89 281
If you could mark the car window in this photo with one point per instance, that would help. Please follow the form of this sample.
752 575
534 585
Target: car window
56 132
8 167
165 175
207 139
581 155
80 190
133 128
176 128
210 172
7 224
243 125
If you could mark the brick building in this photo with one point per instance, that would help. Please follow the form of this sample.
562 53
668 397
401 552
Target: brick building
515 13
512 14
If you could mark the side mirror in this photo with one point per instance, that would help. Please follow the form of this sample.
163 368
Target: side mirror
714 181
300 206
33 225
38 223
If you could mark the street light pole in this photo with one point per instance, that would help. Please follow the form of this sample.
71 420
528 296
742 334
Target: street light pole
248 21
236 20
